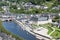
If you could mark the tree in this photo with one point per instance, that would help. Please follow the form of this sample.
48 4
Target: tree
56 19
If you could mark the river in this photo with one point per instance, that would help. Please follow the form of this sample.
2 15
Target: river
16 29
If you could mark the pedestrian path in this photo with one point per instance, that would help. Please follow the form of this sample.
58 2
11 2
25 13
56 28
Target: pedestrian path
52 31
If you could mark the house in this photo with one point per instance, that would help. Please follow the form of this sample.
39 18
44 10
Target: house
43 7
56 7
56 24
37 6
14 3
18 7
40 20
33 20
1 38
4 36
28 4
5 8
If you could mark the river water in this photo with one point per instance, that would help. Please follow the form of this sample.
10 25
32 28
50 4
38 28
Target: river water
16 29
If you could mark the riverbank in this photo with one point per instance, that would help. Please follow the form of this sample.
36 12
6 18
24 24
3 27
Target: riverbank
38 36
2 29
24 27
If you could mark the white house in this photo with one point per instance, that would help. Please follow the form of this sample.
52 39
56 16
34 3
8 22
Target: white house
1 38
28 4
37 6
40 20
5 8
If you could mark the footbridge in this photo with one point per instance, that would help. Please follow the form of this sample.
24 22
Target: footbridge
7 17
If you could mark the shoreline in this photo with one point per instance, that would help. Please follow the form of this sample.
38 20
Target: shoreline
2 29
28 29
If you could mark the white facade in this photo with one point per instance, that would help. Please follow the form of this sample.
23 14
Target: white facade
1 38
41 22
37 6
44 22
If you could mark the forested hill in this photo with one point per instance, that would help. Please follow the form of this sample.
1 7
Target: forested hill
17 6
35 1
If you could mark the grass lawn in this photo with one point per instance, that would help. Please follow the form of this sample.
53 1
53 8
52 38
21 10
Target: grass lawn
35 26
49 30
12 10
49 4
56 34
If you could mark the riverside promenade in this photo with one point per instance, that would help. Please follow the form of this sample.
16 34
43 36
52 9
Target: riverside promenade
25 27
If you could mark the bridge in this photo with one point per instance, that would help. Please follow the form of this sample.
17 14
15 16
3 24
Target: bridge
6 18
9 17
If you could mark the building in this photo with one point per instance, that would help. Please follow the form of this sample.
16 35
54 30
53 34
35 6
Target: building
0 38
56 24
43 7
4 36
30 5
56 7
37 6
40 20
5 7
